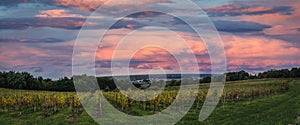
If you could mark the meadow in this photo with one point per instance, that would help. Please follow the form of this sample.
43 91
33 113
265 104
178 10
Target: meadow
259 101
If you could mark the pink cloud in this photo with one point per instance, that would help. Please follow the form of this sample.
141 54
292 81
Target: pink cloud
281 24
13 55
237 9
90 5
241 52
58 13
154 57
259 52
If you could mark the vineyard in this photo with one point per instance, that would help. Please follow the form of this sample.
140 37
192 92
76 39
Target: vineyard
231 93
34 101
51 103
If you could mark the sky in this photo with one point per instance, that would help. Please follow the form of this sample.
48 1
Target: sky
39 36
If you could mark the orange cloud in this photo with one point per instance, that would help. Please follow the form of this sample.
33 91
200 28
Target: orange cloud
242 52
282 30
154 57
86 5
58 13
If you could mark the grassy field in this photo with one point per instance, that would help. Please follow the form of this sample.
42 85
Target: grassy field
280 108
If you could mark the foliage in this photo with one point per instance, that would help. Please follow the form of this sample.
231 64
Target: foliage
234 76
243 75
33 101
26 81
283 73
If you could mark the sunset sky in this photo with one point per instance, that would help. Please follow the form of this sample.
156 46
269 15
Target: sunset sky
38 36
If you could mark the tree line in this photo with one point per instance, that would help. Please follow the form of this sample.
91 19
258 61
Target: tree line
243 75
24 80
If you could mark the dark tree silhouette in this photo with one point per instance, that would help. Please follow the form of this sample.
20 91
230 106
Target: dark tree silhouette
24 80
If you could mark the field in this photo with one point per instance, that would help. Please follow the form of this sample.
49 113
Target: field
262 101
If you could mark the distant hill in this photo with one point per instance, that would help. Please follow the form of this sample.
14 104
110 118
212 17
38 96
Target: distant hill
160 76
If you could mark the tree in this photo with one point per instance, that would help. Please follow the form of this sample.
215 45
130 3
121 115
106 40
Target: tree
241 75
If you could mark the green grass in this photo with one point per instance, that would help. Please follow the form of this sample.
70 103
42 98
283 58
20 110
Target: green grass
36 118
277 109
